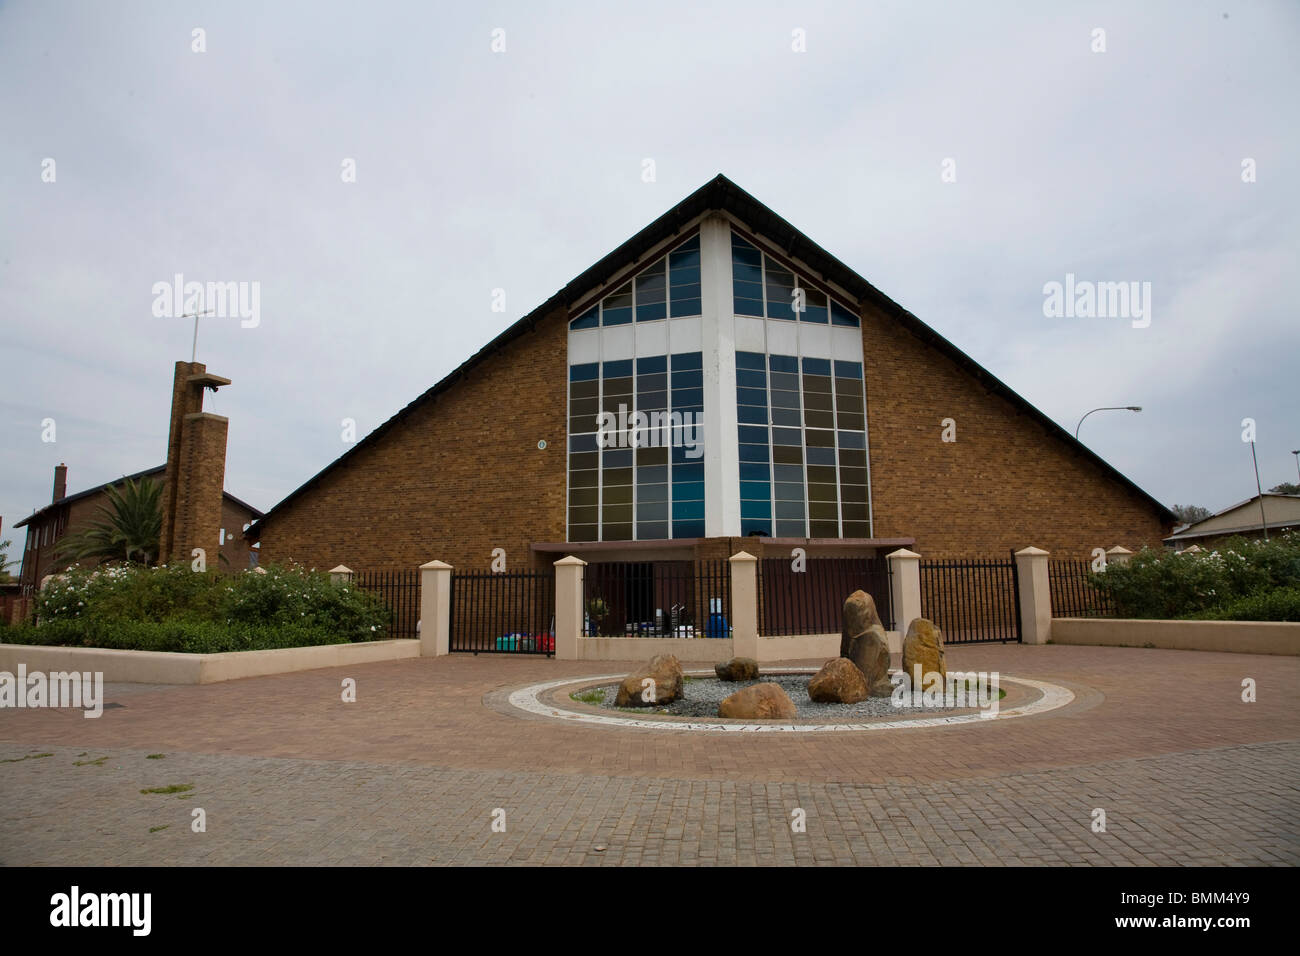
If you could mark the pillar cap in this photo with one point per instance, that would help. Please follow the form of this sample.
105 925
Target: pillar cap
742 557
902 553
569 561
1032 552
341 569
436 566
1119 549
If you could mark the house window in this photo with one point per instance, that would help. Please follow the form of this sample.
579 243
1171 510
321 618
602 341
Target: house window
668 287
761 286
801 426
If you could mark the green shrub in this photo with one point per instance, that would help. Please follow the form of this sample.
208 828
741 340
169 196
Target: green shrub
1167 585
1280 605
176 609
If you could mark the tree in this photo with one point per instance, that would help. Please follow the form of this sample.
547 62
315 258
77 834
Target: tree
129 528
1190 514
5 563
1286 488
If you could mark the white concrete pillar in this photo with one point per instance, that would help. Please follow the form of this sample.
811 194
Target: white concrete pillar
568 607
341 575
718 324
744 605
1118 555
435 609
904 587
1035 596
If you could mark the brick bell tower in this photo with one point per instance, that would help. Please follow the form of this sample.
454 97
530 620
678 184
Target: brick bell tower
196 468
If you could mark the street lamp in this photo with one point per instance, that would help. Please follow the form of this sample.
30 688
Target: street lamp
1106 408
1297 462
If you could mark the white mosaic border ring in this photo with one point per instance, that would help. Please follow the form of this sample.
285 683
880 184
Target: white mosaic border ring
528 700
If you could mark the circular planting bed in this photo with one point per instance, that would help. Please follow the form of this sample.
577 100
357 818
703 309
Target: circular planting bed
590 700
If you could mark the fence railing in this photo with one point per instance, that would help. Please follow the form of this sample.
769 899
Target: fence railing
503 613
656 599
811 601
1073 594
972 600
400 590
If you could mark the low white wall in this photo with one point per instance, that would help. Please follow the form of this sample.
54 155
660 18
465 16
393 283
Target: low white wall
1241 637
164 667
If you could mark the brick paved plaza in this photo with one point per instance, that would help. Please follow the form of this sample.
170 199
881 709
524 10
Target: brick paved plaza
411 774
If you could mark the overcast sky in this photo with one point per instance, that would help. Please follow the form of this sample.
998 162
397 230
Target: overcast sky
478 170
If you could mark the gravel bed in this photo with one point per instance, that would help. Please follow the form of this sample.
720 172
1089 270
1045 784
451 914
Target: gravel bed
703 694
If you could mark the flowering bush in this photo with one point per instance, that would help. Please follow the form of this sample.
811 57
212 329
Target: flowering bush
174 608
1240 574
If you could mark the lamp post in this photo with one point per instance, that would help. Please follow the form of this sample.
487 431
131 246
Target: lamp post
1106 408
1297 462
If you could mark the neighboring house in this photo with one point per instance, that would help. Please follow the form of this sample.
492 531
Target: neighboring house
1281 513
822 427
68 514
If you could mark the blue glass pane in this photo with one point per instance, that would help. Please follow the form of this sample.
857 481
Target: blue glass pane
582 443
815 313
683 274
688 378
842 316
786 416
755 490
816 366
789 473
618 316
751 360
780 309
783 363
743 272
821 456
650 493
753 453
651 311
584 373
755 526
689 471
688 529
751 415
689 290
853 440
617 458
682 455
651 364
742 251
688 510
749 307
752 435
789 509
786 436
754 471
751 378
848 369
619 369
755 509
685 307
747 290
791 529
751 396
789 491
688 360
652 531
687 397
588 320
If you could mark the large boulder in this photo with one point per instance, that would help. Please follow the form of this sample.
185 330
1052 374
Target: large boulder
858 615
838 682
759 702
924 646
870 652
738 668
666 672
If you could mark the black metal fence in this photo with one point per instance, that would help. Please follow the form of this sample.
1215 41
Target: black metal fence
1073 595
400 590
972 600
656 599
503 613
808 598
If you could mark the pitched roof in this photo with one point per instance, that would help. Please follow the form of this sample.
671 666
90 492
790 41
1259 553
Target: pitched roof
1282 511
66 499
720 193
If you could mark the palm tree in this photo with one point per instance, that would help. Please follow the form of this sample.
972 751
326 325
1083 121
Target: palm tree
129 529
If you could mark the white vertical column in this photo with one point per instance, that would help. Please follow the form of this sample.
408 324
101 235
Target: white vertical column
721 461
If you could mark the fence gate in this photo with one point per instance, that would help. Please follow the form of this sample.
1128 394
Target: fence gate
811 600
974 601
400 590
503 613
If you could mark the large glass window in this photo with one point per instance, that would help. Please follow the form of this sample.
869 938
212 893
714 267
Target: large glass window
802 447
761 286
636 465
669 286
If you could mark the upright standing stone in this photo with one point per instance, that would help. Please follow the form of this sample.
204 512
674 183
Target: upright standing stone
924 646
